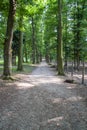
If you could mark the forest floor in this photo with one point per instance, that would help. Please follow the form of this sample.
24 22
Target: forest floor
42 101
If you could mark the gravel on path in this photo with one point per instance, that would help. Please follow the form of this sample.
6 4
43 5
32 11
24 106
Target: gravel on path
42 101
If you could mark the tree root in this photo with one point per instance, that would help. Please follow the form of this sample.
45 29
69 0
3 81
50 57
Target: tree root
3 77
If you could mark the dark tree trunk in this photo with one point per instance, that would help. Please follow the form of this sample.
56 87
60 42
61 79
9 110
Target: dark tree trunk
47 57
83 71
78 17
14 60
33 42
78 36
8 40
37 55
20 52
80 13
26 56
40 57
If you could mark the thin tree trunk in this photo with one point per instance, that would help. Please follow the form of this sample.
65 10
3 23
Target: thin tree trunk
72 71
47 52
83 71
40 57
65 46
33 41
8 40
37 55
57 49
20 52
78 46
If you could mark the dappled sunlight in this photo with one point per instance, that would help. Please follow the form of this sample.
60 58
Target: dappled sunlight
46 79
37 80
57 100
71 87
24 85
56 119
74 98
65 100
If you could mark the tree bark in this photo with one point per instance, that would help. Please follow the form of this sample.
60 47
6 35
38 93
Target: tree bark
60 44
8 40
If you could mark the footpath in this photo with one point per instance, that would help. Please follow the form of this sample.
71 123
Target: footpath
42 101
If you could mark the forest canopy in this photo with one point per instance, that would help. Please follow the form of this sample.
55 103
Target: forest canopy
53 29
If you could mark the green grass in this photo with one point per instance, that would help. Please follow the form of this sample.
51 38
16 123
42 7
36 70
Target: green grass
1 62
1 69
1 66
27 68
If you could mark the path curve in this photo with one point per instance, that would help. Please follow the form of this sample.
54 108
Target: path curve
42 101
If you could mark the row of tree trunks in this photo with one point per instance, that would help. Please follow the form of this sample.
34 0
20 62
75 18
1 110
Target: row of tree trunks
36 54
78 16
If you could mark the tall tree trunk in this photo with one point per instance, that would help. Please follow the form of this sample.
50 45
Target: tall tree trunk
47 52
66 49
80 13
8 40
20 50
78 17
57 49
60 44
33 41
78 36
74 41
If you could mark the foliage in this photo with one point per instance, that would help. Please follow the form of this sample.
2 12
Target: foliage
45 16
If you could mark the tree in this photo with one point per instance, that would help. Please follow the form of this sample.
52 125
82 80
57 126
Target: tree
33 41
8 40
60 44
20 48
50 31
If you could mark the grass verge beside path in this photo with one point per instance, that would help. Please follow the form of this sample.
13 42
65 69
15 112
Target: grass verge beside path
27 69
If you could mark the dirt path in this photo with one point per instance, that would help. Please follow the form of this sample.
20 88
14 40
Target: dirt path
42 101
